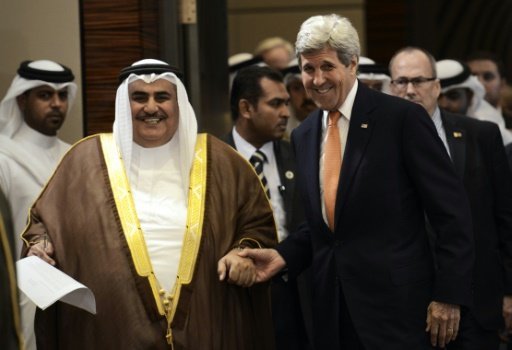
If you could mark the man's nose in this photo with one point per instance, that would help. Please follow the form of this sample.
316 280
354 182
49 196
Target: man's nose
410 89
284 111
318 78
56 101
151 107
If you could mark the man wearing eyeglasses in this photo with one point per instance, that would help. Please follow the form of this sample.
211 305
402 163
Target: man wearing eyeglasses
476 150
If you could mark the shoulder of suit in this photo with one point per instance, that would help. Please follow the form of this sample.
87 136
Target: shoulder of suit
472 123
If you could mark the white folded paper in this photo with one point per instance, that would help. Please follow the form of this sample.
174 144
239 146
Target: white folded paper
44 285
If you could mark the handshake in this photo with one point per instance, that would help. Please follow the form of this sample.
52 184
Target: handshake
248 266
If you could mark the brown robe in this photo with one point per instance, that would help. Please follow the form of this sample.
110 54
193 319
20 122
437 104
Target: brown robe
10 327
78 211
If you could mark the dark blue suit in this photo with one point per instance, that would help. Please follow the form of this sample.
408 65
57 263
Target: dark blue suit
395 169
477 151
291 310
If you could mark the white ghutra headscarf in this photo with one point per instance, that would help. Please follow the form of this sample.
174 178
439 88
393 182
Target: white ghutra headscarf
32 74
150 70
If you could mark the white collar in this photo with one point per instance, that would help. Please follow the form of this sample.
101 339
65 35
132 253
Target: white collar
26 134
247 150
346 107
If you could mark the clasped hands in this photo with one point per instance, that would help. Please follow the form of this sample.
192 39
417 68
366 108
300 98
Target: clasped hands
248 266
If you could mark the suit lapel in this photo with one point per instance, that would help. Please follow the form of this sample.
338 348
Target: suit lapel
361 126
308 151
456 138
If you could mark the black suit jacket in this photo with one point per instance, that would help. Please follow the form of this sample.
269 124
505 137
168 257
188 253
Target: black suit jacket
477 151
394 169
291 308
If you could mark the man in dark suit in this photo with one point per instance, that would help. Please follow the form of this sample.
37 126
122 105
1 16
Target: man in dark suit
259 107
477 152
373 279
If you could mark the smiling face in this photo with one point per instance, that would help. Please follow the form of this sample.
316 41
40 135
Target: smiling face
155 113
44 108
326 79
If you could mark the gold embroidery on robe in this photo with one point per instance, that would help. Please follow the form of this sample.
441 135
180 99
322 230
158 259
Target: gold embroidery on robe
133 232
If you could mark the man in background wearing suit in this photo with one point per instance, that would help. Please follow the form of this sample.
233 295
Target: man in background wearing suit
259 107
371 165
476 150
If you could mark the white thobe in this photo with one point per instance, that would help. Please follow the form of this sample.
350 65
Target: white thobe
26 164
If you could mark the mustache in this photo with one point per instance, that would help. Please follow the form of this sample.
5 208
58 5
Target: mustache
56 114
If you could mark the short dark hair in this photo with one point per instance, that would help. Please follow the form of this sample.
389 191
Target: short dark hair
490 56
246 85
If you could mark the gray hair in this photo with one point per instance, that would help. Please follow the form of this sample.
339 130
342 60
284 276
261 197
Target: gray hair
332 31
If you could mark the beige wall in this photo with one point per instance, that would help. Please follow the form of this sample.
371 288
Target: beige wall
250 21
31 29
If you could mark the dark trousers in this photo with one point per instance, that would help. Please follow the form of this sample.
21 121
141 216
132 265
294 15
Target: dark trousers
472 336
349 340
289 326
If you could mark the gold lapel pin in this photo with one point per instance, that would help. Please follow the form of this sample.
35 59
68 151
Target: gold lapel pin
457 134
364 126
289 174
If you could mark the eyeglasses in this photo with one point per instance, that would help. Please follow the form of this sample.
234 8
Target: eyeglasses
402 83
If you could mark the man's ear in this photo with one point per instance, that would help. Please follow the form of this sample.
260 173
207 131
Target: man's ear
22 101
245 108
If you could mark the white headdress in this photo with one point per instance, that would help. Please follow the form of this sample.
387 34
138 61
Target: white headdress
32 74
454 74
369 70
151 70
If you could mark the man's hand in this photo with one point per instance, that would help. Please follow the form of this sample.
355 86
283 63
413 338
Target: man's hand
237 269
267 262
442 323
507 312
43 249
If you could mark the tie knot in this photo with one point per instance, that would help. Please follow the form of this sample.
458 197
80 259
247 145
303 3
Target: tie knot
259 155
334 116
257 159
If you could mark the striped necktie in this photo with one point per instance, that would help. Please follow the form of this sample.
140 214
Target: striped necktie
257 160
332 166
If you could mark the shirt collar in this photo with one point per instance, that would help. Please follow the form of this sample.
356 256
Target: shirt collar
26 134
348 104
247 150
436 117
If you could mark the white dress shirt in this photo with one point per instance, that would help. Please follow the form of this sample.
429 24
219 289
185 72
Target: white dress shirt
438 122
343 126
161 206
271 173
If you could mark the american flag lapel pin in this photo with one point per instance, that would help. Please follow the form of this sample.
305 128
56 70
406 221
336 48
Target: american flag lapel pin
364 126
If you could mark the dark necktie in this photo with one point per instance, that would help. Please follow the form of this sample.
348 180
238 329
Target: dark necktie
257 160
